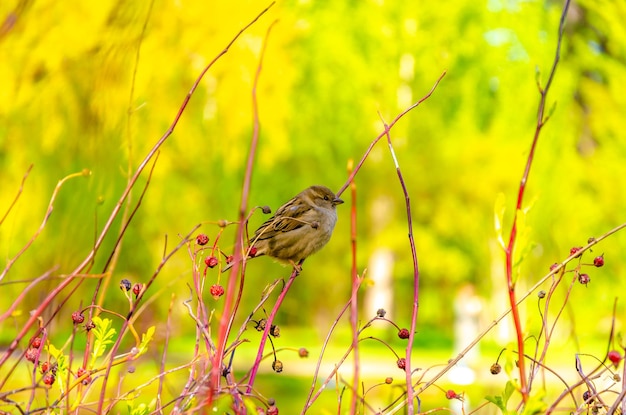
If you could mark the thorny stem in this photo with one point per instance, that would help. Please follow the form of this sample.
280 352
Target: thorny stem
509 250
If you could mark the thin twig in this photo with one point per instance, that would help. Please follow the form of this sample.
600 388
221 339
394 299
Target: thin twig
17 196
386 130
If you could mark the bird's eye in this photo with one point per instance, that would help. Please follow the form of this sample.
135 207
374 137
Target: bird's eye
326 197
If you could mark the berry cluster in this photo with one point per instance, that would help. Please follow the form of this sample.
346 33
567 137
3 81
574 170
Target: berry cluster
577 252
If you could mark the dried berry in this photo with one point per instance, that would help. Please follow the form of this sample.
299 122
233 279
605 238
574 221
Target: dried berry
36 343
260 325
583 279
77 317
403 333
202 239
587 397
615 357
266 209
137 289
401 363
230 259
541 294
599 261
388 380
275 331
125 285
90 325
82 372
48 379
380 313
31 354
277 366
272 410
495 369
210 261
216 291
45 366
576 250
302 352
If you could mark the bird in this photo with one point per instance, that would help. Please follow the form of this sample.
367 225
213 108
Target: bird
298 229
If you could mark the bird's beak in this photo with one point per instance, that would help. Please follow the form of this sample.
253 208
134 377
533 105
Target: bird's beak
337 201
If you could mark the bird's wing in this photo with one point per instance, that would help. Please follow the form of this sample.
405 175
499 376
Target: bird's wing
290 216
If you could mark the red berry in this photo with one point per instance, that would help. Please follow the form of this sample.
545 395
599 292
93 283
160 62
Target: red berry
80 373
388 380
202 239
230 259
575 250
36 343
554 266
583 279
45 366
303 352
210 261
403 333
401 363
31 354
137 289
598 261
272 410
77 317
48 379
253 252
217 291
450 394
615 357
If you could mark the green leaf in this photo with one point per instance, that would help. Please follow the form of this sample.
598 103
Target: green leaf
103 333
145 339
502 401
498 401
61 361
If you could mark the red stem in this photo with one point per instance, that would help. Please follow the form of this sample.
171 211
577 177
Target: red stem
225 325
541 120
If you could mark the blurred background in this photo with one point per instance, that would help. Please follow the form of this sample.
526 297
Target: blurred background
86 86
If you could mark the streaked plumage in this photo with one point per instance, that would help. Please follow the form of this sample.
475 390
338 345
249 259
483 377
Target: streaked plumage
299 228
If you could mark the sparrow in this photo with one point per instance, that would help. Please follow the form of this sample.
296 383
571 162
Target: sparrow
298 229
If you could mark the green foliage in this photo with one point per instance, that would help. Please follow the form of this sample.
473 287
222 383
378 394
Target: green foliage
86 87
103 336
141 408
146 338
501 401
